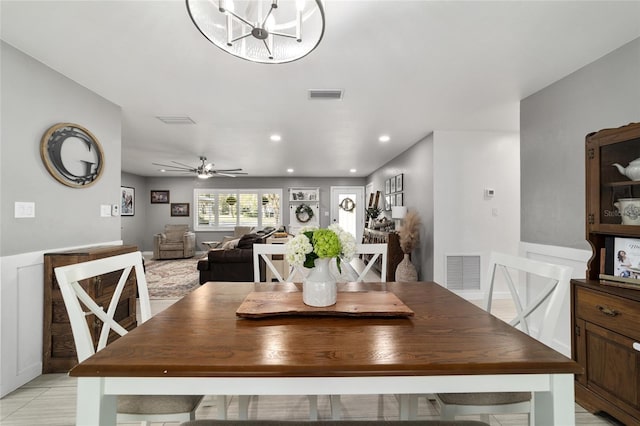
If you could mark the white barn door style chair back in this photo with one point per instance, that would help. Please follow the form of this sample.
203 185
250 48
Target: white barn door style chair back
140 408
265 252
537 317
377 251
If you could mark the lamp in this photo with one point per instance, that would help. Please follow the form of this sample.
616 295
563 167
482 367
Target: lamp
398 213
265 31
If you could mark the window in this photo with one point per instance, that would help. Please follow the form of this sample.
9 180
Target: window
221 209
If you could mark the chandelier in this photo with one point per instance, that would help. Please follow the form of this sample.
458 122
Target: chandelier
266 31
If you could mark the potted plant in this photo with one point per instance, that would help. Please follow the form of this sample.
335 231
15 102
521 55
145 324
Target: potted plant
409 235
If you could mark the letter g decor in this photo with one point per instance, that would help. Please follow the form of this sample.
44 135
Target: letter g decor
72 155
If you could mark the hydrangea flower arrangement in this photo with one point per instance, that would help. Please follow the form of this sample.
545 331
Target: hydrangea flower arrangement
312 243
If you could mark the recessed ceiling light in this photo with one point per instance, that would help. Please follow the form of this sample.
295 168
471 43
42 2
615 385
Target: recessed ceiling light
289 170
384 138
162 170
275 138
352 170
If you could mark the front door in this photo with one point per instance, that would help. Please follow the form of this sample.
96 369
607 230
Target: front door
347 209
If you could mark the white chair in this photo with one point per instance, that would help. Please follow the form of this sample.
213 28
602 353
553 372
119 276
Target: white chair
376 251
265 252
537 317
140 408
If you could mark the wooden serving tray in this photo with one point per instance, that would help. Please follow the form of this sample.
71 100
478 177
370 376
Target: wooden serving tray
356 304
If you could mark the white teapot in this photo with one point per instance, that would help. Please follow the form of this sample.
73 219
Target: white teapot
632 171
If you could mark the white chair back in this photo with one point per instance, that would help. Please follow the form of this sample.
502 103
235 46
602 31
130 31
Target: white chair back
265 252
376 251
553 291
69 278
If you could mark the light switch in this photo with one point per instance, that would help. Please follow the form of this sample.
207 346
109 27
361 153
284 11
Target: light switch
24 209
105 210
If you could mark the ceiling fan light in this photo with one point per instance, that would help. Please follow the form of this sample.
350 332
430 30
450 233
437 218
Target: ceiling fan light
239 28
203 176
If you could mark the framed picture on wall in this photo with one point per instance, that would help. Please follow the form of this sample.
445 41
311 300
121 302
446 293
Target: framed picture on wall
387 186
399 199
159 197
179 209
393 185
399 182
387 202
127 201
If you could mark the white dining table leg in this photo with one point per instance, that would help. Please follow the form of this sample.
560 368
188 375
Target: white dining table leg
93 406
558 406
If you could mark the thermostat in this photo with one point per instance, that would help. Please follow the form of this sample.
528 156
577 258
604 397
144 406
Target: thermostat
489 192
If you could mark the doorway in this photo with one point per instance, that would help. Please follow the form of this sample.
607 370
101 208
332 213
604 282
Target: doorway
347 209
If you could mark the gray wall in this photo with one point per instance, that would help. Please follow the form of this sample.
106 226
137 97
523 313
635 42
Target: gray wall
417 165
181 191
34 97
133 228
554 123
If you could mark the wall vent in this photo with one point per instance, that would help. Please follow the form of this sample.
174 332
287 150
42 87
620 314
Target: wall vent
326 94
463 272
174 119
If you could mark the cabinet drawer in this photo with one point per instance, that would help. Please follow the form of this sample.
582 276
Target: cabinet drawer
608 311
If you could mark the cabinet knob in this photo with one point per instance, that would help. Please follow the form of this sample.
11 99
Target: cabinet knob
636 346
607 311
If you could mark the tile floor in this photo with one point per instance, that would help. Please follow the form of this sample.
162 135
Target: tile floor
50 400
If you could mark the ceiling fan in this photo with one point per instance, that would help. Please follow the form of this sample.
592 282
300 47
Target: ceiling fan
203 171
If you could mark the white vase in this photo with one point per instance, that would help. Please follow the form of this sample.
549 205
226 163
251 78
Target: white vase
406 272
319 287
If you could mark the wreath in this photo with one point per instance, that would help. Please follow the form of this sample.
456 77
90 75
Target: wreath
304 213
347 205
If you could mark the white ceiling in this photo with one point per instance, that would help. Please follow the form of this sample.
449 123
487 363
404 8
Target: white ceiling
407 68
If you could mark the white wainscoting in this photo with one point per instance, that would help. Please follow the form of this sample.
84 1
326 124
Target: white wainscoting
575 258
21 321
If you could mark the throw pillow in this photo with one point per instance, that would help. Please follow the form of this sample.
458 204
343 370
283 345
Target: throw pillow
247 241
231 244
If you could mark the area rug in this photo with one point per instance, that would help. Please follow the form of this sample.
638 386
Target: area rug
171 279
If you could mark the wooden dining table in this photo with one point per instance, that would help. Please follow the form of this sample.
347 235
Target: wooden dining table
199 345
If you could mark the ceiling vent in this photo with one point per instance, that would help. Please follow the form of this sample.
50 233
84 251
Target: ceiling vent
174 119
335 94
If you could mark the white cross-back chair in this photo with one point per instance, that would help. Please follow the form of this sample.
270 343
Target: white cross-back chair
265 252
377 251
537 317
140 408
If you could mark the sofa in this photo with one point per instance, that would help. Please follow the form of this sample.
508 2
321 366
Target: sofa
235 261
176 242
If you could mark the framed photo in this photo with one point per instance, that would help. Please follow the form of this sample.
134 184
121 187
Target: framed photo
127 201
387 202
159 197
399 199
179 209
399 180
387 186
392 201
393 185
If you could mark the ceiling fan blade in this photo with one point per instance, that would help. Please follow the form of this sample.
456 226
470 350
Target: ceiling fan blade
228 170
184 165
176 168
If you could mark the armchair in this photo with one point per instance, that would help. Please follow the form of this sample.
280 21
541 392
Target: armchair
176 242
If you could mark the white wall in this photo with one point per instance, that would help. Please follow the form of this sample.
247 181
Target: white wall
466 163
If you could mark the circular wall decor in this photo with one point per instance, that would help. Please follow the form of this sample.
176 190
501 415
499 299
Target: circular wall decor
304 213
347 205
72 155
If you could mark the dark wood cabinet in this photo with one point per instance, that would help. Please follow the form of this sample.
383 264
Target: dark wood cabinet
394 252
605 313
59 354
